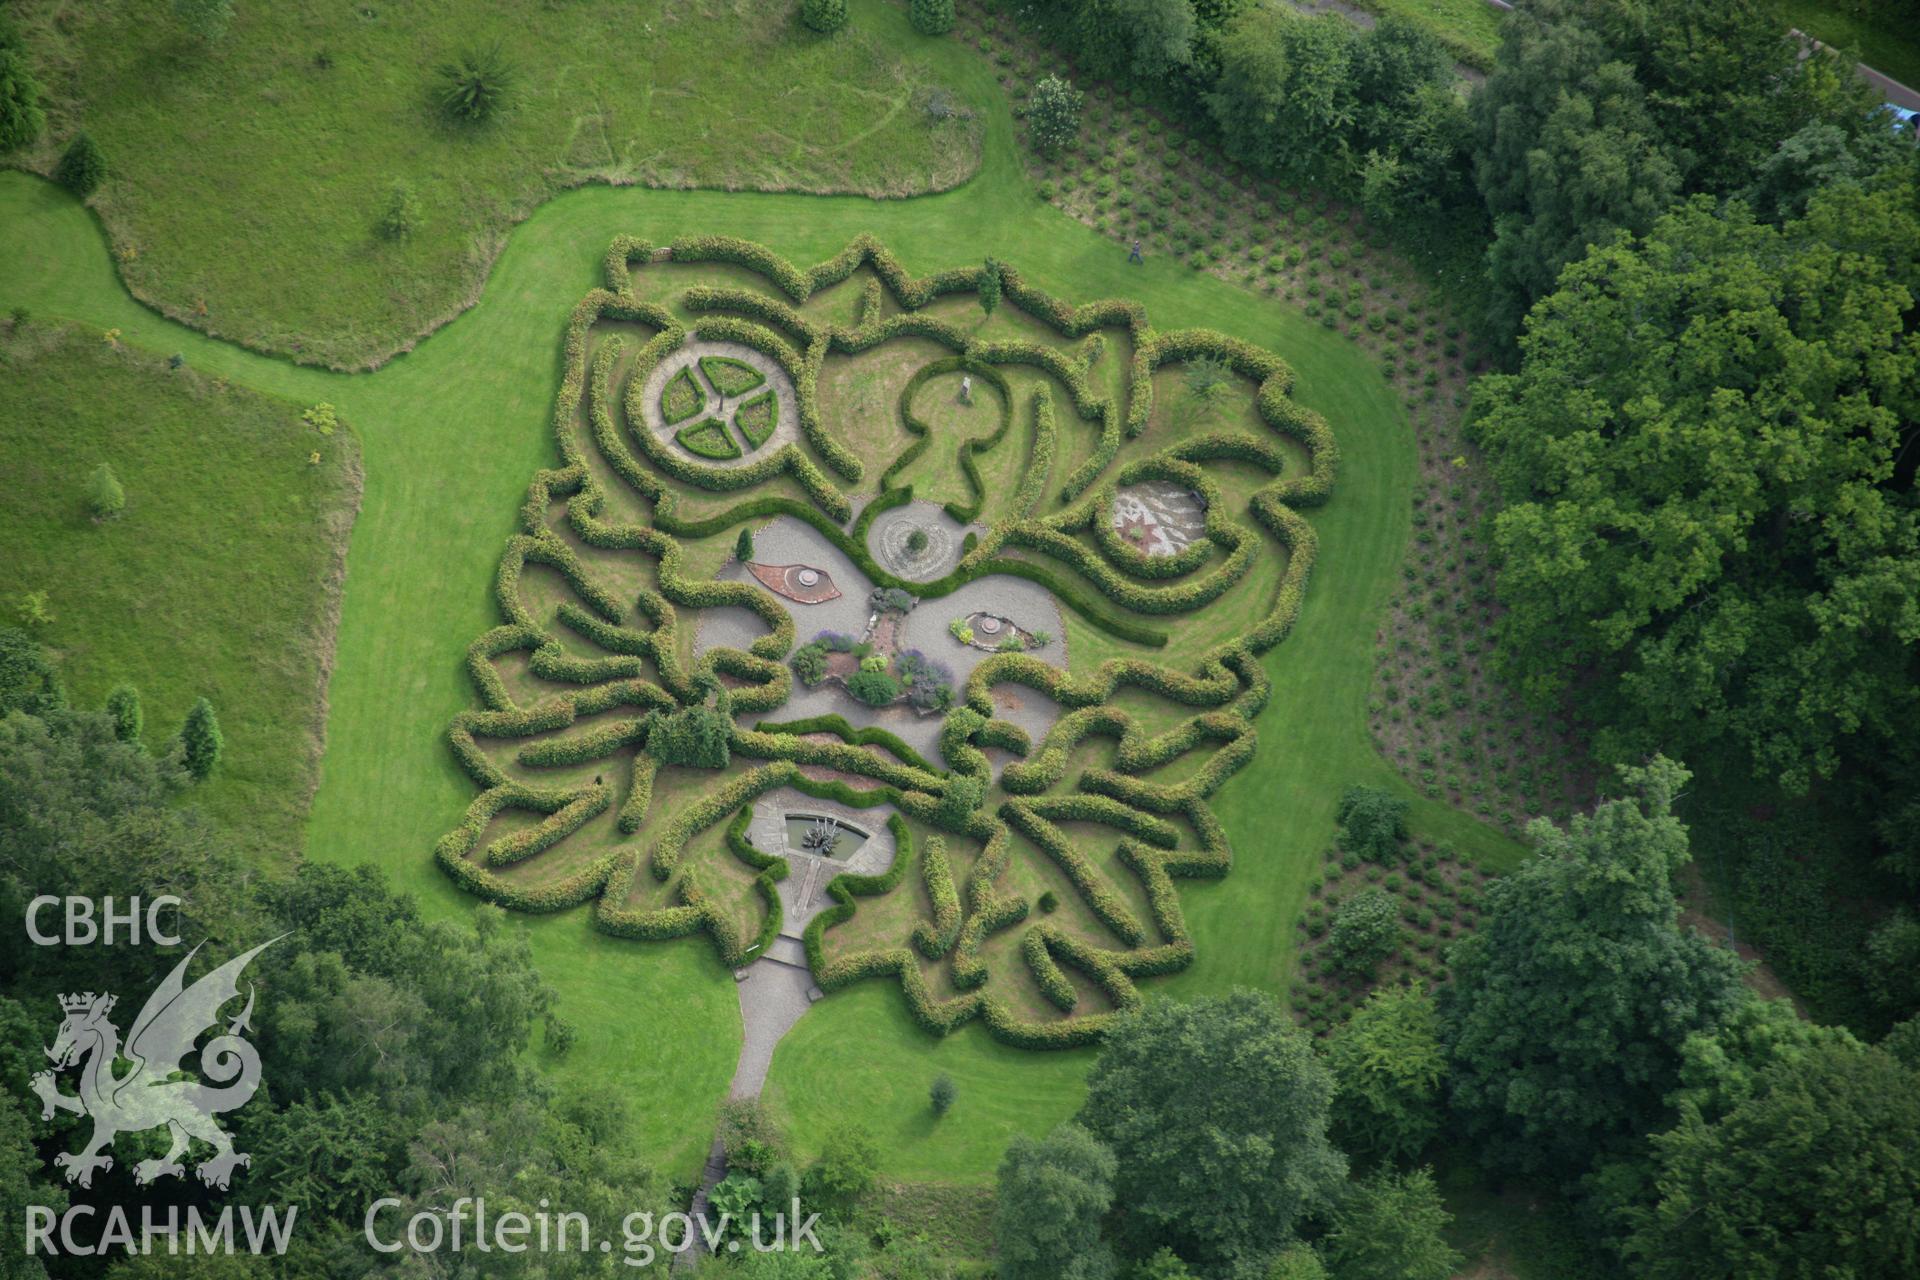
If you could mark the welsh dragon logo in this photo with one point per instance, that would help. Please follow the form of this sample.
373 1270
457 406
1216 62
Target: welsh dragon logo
151 1094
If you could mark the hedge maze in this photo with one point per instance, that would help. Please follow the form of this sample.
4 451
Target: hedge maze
1035 887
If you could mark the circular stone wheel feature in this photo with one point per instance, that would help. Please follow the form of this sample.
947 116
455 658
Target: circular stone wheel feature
888 537
684 361
808 578
990 625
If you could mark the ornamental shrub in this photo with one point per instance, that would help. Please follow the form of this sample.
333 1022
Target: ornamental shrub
1366 930
809 663
824 16
200 742
743 545
736 1196
962 796
931 17
476 84
942 1093
697 737
753 1143
875 688
1372 823
105 498
874 662
1053 114
82 168
123 708
991 286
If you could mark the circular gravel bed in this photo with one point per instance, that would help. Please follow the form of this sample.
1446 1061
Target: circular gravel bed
892 530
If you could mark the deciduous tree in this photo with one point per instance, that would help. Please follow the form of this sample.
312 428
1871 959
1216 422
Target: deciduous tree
1387 1063
123 706
1706 537
1569 1007
201 741
1052 1197
1366 930
1392 1227
1053 114
1816 1173
1223 1173
82 168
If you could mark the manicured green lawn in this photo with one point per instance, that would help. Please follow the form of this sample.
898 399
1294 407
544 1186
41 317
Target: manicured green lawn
1886 42
1883 41
1470 27
451 434
251 174
219 580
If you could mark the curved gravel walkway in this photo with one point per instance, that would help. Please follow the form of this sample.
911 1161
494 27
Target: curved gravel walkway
786 540
786 427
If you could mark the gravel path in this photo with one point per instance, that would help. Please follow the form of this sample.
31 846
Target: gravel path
777 988
786 428
789 541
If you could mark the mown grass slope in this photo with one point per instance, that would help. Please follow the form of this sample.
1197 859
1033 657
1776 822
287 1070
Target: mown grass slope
248 175
221 578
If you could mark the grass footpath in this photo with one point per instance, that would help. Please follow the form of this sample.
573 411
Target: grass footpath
452 432
1469 28
1885 35
222 577
249 175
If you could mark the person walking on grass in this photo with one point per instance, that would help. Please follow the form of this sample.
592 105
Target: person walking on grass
1133 255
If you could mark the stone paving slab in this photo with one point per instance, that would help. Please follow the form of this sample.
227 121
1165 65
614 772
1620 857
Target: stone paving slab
786 540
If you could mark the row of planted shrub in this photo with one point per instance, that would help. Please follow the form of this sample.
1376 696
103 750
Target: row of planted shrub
949 931
1251 361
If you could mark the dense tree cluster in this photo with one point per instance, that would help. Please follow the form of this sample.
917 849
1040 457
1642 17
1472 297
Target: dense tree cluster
21 116
398 1044
1569 1007
1706 253
1370 113
1709 536
1599 113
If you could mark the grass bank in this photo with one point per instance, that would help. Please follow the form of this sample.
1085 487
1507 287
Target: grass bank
248 175
220 580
